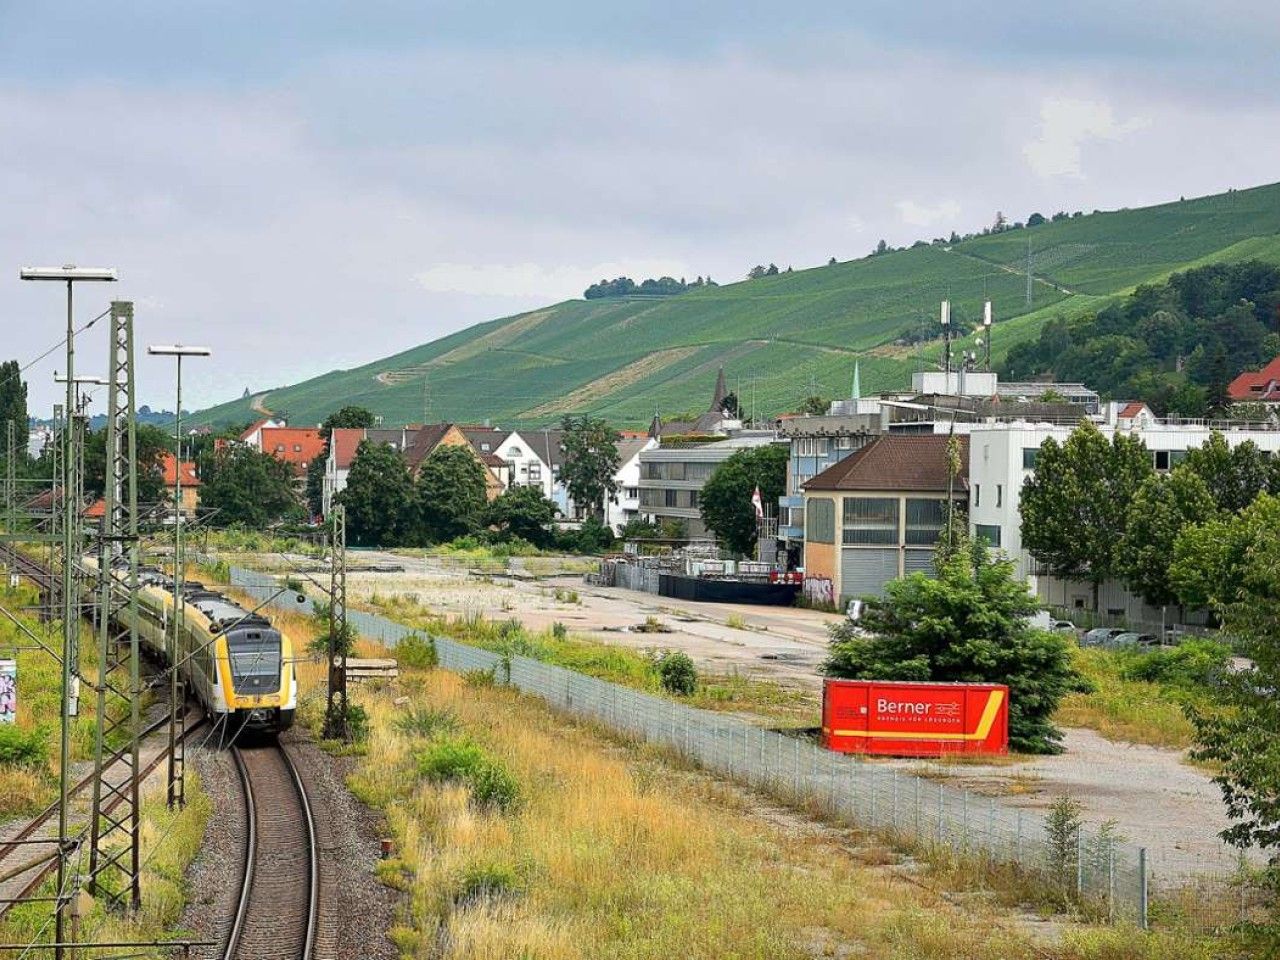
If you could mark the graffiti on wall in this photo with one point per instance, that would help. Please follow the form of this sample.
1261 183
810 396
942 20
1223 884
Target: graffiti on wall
818 591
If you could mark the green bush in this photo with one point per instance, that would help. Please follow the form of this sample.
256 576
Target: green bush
487 881
22 748
1194 663
677 673
459 760
559 631
479 678
418 651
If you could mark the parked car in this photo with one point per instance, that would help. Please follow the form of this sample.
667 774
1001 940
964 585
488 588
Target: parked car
1062 626
1132 639
1100 636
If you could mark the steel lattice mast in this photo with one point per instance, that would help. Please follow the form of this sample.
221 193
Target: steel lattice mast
114 862
335 717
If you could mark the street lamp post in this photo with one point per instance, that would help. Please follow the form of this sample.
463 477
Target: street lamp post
176 792
70 275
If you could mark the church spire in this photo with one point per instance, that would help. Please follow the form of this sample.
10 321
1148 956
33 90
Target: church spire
717 399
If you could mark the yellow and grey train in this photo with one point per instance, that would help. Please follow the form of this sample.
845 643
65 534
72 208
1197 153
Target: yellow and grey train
232 660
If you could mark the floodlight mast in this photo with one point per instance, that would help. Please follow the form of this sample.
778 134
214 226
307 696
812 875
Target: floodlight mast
176 769
69 274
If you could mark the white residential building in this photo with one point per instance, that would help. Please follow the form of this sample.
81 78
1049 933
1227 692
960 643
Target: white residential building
627 506
1003 455
528 460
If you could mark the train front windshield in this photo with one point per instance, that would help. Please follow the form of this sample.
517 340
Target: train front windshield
255 661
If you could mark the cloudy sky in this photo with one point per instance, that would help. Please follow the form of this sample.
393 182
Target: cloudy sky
304 186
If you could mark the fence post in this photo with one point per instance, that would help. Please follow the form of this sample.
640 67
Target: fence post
917 806
1142 887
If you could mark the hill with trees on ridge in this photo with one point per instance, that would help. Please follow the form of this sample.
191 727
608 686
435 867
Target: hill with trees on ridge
784 337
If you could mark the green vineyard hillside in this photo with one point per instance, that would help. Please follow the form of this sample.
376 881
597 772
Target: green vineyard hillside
780 338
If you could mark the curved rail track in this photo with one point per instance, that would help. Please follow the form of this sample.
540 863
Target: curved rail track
278 907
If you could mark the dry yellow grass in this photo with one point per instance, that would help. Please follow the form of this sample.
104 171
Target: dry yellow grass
615 854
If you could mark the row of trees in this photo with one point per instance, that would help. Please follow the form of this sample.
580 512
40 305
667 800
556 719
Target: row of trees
661 287
1176 345
1097 510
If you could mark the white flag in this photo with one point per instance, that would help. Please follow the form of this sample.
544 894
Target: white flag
758 503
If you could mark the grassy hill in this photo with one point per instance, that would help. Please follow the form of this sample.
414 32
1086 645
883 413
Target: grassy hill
780 338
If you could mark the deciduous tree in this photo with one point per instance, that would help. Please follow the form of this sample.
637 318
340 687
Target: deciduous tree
450 493
1161 509
1233 475
590 462
1075 507
242 486
525 513
970 624
379 500
13 407
725 501
1243 740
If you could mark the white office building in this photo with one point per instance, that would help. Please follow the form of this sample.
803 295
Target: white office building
1003 455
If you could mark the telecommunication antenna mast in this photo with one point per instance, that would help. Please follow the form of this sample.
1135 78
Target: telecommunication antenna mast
945 316
114 861
986 335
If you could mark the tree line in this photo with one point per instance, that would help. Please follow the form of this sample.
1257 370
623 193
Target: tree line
1174 345
661 287
1204 535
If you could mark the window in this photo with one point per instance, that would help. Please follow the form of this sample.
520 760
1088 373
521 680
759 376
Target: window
693 499
999 494
977 494
870 520
279 448
484 446
820 520
1029 455
1168 459
669 498
925 519
535 471
514 452
988 532
297 448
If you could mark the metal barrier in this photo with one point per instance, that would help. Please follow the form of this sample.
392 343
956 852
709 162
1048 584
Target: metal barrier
939 818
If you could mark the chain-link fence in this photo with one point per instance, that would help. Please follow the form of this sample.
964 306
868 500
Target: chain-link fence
1090 866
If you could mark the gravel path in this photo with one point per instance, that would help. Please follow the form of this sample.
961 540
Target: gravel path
356 910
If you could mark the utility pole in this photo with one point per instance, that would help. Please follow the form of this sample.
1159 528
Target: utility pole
10 475
69 274
986 334
335 714
115 825
177 698
945 317
1028 268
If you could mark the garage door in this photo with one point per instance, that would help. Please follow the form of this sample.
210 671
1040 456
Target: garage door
864 572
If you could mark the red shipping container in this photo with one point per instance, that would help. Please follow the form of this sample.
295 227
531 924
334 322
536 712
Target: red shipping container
909 719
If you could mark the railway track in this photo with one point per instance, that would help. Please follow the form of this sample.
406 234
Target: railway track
40 834
36 572
278 906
